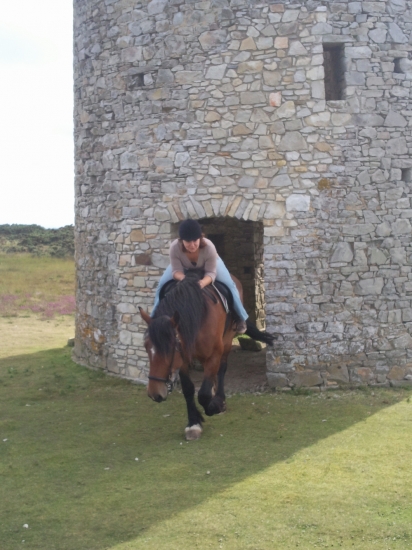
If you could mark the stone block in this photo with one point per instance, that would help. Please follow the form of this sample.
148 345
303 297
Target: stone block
272 78
373 7
358 229
129 161
298 203
246 181
287 110
292 141
403 342
275 99
395 119
137 236
264 43
368 287
132 54
216 72
276 380
342 253
338 373
322 28
160 260
396 146
275 210
397 373
401 227
156 6
355 78
378 35
396 7
210 39
252 98
125 337
306 379
186 77
361 375
397 34
378 256
250 67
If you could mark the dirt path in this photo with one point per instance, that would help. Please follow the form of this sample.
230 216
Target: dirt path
246 372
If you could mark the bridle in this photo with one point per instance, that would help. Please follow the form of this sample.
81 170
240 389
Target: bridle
170 380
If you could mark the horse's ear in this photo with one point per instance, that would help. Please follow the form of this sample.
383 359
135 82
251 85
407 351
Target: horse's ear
175 319
145 316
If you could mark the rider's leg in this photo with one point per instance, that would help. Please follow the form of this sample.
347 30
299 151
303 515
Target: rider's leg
223 275
167 276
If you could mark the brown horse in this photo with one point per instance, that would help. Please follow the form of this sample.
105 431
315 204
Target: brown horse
191 323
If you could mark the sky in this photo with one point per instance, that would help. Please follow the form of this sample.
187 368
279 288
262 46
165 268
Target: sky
36 113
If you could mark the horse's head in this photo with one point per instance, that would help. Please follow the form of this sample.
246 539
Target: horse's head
162 344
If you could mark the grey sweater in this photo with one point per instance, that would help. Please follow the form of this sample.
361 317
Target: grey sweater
207 259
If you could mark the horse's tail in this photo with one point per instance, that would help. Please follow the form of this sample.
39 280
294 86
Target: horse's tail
260 336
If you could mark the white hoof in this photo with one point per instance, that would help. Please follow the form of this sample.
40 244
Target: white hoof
193 432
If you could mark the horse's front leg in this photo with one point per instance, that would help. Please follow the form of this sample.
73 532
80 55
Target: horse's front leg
212 394
195 419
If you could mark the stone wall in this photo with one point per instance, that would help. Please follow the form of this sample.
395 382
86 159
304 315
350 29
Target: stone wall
216 109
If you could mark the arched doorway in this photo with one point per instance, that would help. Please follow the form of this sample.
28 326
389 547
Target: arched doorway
240 245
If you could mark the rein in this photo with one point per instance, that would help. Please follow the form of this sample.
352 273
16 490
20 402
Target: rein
168 381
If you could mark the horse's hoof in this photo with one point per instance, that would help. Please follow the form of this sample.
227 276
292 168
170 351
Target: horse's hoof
216 407
193 432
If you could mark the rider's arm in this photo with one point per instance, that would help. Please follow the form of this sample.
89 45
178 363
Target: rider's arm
210 263
176 262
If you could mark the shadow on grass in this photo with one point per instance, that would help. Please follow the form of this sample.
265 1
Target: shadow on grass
88 461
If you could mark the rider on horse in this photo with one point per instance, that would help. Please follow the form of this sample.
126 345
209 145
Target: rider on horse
192 250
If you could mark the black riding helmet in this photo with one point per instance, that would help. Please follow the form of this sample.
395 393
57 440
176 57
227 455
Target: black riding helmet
190 230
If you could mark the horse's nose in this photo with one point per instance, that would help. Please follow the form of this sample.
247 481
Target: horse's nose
157 397
157 391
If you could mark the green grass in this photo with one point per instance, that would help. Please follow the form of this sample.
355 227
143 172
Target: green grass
35 284
21 273
286 471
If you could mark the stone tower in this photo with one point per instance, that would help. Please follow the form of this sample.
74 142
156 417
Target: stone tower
285 128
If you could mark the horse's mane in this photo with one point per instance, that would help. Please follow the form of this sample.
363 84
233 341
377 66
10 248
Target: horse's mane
189 302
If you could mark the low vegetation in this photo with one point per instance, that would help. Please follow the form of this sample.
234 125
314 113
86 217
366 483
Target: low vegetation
37 240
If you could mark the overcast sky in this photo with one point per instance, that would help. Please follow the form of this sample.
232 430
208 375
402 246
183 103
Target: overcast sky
36 129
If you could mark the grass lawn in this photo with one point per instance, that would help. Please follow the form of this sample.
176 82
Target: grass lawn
277 471
40 285
285 471
34 291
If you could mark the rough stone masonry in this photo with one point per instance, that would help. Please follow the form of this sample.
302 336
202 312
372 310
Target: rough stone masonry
288 123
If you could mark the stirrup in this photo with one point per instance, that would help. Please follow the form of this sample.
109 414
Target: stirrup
241 327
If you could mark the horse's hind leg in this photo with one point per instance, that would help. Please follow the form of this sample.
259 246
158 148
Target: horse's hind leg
195 419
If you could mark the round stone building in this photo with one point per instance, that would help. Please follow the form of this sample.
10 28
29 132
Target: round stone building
285 128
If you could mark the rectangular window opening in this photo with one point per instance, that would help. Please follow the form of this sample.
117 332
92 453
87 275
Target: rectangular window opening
407 175
334 65
397 65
